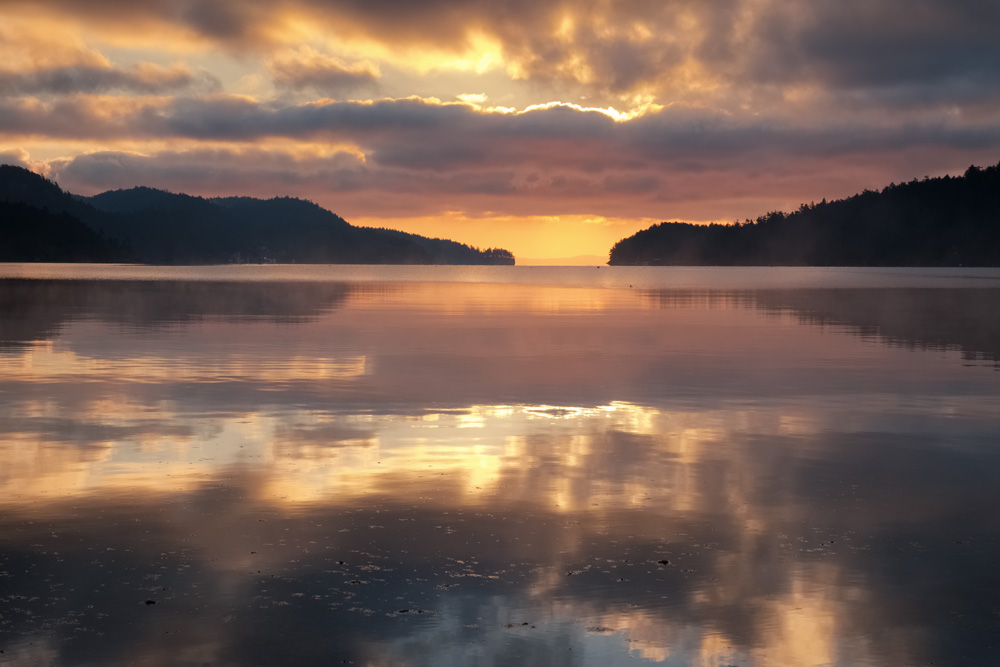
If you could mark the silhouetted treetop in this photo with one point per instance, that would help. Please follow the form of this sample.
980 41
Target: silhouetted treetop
946 221
156 226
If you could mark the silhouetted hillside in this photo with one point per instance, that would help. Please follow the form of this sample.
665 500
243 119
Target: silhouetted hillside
32 234
443 251
19 185
166 228
26 187
948 221
41 223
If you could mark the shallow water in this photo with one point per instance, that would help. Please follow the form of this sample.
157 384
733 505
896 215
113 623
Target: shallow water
499 466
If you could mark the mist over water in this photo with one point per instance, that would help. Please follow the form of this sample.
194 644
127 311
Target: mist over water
498 466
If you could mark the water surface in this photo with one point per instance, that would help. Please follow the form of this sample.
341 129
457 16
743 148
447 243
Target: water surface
498 466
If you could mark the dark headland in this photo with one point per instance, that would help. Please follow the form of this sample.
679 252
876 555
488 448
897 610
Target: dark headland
946 221
41 222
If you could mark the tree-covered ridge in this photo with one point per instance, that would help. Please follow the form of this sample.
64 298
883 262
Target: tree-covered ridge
29 233
41 222
946 221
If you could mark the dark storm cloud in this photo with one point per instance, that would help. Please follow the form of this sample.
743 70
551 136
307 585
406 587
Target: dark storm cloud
146 79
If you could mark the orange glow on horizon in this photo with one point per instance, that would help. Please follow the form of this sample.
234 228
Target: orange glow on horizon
528 237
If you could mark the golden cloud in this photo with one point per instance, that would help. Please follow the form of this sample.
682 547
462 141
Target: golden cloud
307 68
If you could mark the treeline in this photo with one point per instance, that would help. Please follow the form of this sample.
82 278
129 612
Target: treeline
946 221
43 236
41 222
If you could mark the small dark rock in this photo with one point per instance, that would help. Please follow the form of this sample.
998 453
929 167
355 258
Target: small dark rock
150 601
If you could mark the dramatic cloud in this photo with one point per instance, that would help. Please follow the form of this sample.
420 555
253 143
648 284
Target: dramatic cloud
144 79
549 161
34 45
15 157
594 108
617 46
426 134
326 75
865 43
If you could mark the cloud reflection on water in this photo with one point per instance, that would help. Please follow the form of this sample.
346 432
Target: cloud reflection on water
285 476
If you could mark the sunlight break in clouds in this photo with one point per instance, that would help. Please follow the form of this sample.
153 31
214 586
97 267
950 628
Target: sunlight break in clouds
492 112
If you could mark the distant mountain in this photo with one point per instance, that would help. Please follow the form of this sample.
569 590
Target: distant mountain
158 227
948 221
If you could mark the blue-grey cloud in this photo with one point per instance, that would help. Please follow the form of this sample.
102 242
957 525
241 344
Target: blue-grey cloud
647 168
884 42
87 79
416 134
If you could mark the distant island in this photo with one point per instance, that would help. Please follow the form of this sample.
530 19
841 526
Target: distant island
947 221
39 222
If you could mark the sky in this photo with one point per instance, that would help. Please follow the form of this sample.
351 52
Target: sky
547 127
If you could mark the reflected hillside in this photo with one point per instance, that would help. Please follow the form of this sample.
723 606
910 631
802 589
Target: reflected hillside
365 346
965 320
959 319
33 310
941 318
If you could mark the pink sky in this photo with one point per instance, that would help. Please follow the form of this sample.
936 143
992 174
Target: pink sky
549 128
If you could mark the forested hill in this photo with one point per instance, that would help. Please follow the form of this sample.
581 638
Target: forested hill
947 221
41 222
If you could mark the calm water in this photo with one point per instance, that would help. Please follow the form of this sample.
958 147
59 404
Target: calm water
499 466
